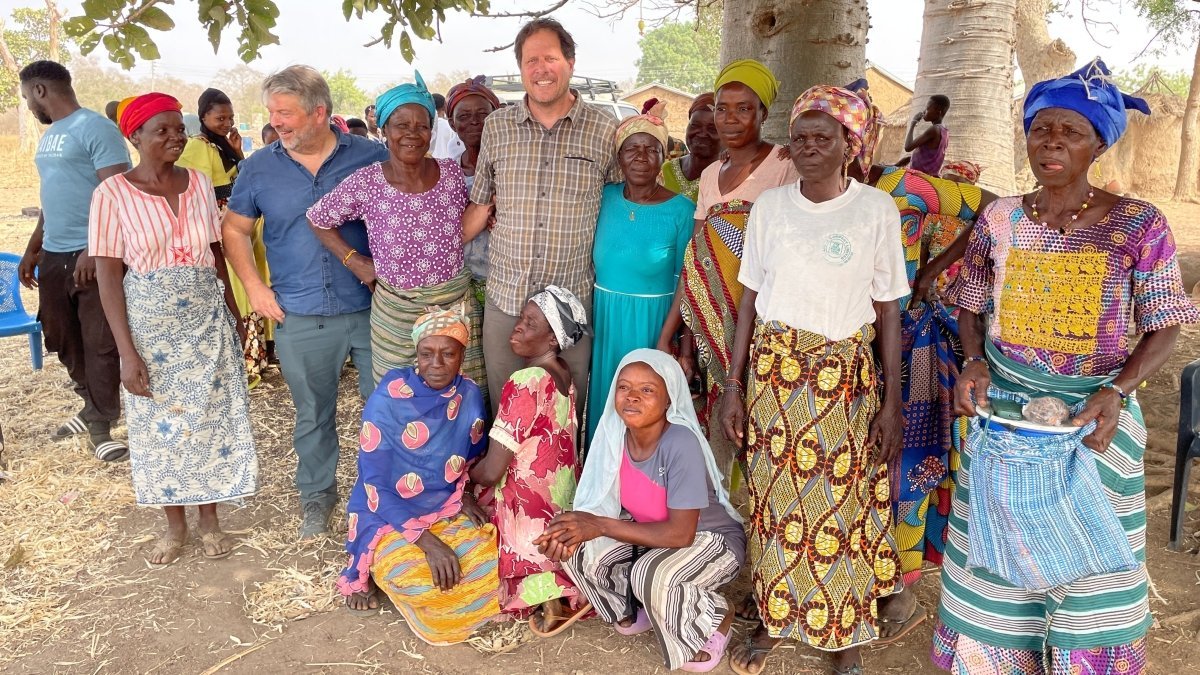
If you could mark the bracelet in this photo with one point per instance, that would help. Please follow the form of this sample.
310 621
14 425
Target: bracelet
348 256
972 359
736 384
1117 388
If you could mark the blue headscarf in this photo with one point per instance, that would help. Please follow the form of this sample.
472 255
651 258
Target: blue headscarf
1090 92
402 94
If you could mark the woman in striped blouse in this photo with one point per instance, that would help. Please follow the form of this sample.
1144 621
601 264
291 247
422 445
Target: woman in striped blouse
185 395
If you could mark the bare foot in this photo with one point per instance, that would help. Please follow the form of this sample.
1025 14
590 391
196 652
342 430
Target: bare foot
366 601
750 657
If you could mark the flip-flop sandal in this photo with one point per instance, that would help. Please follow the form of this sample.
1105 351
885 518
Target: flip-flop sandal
170 547
741 616
213 539
754 651
641 624
915 619
110 451
564 622
715 648
368 611
72 427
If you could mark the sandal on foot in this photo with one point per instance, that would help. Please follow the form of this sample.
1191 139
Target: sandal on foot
855 669
915 619
754 651
108 450
171 548
641 624
214 539
72 427
564 622
744 616
369 611
715 648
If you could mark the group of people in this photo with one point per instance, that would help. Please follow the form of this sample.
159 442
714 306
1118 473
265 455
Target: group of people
573 349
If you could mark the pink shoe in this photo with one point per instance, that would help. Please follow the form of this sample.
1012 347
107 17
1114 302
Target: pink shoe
715 647
641 624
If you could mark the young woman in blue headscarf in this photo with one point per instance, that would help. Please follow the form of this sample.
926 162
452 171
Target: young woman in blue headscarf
1066 274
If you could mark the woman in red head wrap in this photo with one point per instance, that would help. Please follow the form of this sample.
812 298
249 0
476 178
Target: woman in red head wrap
185 386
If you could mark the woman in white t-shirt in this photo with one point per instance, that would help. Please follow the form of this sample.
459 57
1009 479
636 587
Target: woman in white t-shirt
823 268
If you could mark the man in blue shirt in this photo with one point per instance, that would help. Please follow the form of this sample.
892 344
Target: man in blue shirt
79 149
323 311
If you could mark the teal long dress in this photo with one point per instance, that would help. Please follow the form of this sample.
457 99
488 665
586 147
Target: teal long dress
638 253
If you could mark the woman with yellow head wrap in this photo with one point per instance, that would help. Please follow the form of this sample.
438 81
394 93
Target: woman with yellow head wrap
706 300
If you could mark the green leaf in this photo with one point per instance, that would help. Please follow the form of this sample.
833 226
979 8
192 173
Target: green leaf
406 48
155 18
141 42
79 26
214 36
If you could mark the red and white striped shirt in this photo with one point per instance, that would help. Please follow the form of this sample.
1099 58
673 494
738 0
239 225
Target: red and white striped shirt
141 229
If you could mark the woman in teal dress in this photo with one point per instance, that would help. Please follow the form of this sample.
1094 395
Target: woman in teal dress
641 234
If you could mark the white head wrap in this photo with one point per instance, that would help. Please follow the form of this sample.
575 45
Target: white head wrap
599 490
565 314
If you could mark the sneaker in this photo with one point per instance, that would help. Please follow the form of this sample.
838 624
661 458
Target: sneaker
316 520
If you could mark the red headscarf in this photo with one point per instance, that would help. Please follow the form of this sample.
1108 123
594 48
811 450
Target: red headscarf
136 112
475 86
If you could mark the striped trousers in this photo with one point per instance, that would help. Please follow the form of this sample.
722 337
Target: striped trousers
677 587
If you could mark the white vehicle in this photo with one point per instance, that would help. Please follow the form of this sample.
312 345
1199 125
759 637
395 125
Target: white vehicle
602 94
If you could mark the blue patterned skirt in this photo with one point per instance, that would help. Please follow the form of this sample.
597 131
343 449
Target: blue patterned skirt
191 443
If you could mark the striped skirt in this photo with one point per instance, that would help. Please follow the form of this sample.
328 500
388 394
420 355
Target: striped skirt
395 310
821 549
676 586
1106 614
441 617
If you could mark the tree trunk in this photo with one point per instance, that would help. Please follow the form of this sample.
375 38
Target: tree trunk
1185 180
967 54
804 42
1040 58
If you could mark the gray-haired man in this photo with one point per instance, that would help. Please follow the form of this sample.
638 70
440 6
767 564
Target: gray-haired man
322 310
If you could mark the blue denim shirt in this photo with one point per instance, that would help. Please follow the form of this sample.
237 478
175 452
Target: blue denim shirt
306 277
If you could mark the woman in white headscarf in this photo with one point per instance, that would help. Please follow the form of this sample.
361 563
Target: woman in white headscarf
683 541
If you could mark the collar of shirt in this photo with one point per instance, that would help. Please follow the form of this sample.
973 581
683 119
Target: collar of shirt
524 115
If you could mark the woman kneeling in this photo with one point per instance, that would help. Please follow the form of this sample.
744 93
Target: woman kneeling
651 459
421 428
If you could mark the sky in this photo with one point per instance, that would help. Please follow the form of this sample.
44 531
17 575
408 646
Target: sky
315 32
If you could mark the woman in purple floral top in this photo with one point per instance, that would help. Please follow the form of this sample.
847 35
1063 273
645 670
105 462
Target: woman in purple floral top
412 206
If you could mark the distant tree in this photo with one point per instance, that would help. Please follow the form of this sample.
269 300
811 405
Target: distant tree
35 37
686 56
243 85
348 98
1131 79
1178 24
96 85
441 82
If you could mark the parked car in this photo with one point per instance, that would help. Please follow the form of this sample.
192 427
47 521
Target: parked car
601 94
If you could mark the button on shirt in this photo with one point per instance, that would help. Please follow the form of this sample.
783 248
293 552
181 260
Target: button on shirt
547 185
306 278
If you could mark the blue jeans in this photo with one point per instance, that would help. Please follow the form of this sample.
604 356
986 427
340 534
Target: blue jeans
312 352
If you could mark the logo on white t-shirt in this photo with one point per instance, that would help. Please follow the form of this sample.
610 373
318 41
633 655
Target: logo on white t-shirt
837 249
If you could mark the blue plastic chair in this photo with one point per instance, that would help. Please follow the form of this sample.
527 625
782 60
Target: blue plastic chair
1187 447
14 320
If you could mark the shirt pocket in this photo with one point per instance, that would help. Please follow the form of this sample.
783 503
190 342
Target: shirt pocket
581 172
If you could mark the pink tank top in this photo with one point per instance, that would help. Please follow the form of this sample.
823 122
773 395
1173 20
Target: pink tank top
930 161
644 499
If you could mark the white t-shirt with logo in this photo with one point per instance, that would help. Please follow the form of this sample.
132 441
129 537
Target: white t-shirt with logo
818 267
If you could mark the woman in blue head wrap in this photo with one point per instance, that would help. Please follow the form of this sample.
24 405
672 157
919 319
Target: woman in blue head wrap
1066 274
412 205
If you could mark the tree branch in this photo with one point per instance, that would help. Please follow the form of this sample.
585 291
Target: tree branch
10 64
532 14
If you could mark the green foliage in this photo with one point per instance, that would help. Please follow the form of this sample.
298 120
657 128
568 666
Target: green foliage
120 26
680 56
349 99
28 37
1176 20
1131 80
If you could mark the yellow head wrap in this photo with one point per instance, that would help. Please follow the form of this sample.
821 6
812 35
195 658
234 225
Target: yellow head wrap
752 74
641 124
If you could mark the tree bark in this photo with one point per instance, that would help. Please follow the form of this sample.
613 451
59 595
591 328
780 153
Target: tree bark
1189 145
967 54
1039 57
803 42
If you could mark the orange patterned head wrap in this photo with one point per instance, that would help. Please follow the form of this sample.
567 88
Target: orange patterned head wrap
968 170
641 124
132 113
437 321
843 105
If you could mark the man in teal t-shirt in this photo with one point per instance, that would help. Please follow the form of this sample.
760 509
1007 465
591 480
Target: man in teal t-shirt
78 150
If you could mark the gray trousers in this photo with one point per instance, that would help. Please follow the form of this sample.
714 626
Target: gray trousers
312 352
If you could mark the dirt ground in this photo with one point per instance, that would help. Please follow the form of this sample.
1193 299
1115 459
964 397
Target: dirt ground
77 596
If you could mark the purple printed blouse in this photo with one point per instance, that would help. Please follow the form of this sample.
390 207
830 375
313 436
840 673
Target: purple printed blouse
415 238
1065 304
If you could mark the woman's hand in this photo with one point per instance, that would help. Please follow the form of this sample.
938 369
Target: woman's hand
239 324
472 510
135 377
732 414
886 433
363 268
570 529
443 564
235 140
923 286
1104 407
971 388
262 300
